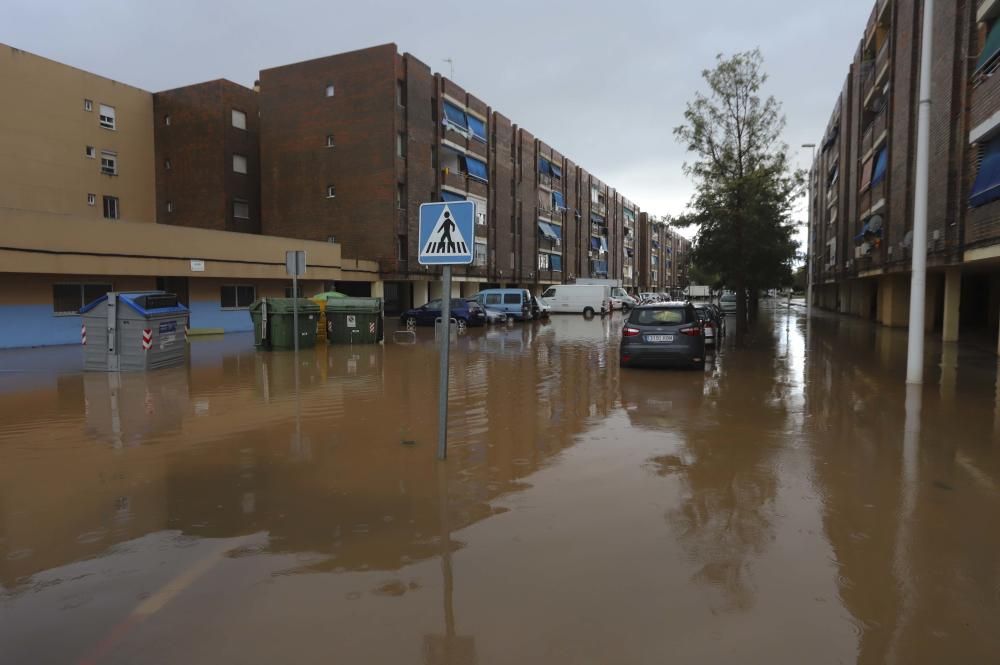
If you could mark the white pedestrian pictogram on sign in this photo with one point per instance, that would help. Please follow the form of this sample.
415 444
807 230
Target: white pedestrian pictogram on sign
446 239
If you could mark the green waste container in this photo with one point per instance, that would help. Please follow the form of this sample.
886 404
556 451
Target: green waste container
354 321
274 323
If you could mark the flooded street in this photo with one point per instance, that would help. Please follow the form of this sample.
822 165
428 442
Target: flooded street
791 504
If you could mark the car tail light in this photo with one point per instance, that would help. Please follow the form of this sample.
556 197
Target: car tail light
693 331
629 331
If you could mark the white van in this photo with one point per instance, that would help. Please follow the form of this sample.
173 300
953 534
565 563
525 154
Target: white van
587 299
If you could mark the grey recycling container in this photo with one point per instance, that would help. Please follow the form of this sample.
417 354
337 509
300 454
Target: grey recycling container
134 331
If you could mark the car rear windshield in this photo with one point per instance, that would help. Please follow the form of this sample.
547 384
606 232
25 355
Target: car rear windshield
727 297
660 316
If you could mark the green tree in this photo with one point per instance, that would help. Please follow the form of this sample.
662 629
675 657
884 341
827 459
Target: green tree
745 187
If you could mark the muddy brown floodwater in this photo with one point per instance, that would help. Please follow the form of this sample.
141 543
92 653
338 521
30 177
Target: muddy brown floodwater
791 504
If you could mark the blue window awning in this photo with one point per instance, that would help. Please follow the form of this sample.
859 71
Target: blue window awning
556 171
449 197
556 229
555 262
987 185
595 243
546 230
456 116
544 166
476 169
558 201
881 162
991 49
597 219
477 127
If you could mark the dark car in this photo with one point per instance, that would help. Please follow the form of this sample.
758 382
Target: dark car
713 321
664 334
469 313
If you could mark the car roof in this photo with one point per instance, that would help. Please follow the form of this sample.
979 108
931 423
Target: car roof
661 305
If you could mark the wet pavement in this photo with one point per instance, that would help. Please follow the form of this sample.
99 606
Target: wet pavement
791 504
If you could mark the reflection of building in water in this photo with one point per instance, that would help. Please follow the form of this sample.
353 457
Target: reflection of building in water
128 408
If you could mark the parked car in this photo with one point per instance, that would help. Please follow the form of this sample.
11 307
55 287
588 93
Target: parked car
468 313
492 315
664 334
648 297
718 316
586 299
515 303
728 303
709 322
620 299
542 307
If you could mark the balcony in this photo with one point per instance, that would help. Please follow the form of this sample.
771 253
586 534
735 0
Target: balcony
882 61
545 180
453 179
867 80
599 207
865 201
876 193
866 141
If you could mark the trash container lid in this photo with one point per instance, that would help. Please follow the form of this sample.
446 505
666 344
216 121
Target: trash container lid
146 303
285 305
368 305
327 295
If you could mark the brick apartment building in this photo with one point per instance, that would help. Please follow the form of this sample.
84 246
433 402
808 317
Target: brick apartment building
862 182
664 256
352 144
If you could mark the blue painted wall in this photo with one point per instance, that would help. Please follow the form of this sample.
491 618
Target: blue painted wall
208 314
35 325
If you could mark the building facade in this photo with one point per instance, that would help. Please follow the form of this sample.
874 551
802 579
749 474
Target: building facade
862 179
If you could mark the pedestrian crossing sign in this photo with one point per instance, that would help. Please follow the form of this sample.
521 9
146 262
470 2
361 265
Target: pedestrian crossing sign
446 233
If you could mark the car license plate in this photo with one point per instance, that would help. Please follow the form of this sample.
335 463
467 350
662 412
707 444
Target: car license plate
659 338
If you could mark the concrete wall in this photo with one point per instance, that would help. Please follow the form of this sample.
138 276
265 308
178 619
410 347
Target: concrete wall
44 133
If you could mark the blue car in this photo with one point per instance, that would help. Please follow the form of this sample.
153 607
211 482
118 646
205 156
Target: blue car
468 313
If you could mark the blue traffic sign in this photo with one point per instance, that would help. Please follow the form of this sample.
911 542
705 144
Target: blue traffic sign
446 233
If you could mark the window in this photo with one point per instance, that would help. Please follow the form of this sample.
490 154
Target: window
986 188
400 93
107 117
111 209
109 162
166 164
479 257
512 298
237 296
91 199
290 293
241 209
170 206
558 202
988 56
401 196
543 261
330 191
239 119
329 141
90 151
544 166
69 299
88 105
329 90
476 169
492 298
555 262
401 144
239 163
402 249
455 118
166 120
477 127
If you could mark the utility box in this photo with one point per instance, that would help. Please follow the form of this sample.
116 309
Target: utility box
274 323
134 331
354 321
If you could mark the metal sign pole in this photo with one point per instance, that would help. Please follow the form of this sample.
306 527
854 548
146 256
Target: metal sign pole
443 382
295 312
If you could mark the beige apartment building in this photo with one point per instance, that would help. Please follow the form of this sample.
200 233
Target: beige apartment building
74 143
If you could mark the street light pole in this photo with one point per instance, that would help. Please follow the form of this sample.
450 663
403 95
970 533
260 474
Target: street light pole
809 237
918 276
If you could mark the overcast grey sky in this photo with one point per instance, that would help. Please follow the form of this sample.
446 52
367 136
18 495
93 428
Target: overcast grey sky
603 82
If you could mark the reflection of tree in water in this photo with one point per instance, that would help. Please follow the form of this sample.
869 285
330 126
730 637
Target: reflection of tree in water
726 468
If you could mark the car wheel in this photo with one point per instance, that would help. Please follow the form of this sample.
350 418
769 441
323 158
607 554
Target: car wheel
588 312
411 322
